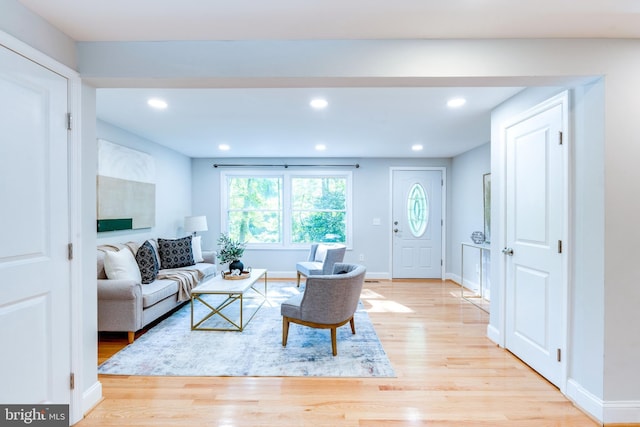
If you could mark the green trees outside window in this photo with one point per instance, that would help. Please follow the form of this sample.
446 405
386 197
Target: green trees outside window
290 208
255 209
319 209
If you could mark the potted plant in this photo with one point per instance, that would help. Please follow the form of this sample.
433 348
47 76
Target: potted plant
230 252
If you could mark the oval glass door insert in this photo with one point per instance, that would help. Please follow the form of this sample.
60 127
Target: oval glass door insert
417 210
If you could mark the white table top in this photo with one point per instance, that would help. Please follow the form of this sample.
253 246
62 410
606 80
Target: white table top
219 285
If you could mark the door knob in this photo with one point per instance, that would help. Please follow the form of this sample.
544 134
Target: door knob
395 230
508 251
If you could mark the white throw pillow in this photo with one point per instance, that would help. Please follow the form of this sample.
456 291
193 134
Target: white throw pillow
196 248
121 265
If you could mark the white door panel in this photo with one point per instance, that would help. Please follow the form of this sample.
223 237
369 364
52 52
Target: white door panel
535 281
34 292
417 223
531 290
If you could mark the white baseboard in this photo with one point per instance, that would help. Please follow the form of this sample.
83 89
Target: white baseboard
453 277
622 412
91 397
378 276
585 400
281 274
606 412
292 275
457 279
494 335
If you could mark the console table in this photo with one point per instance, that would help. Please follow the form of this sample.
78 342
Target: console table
479 299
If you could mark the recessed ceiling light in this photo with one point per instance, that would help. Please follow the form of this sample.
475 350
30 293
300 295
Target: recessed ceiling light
224 147
157 103
321 147
417 147
456 102
319 103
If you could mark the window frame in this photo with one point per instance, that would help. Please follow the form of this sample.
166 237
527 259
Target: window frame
287 202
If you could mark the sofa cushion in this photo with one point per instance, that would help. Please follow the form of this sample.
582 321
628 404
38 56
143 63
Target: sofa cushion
205 268
158 290
121 265
147 262
175 253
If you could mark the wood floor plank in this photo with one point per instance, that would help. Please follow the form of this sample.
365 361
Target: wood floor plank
448 374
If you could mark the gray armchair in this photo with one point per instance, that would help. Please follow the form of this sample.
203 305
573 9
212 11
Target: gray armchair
320 260
327 302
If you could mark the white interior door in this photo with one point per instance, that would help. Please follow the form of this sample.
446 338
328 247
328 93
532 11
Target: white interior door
34 290
417 224
535 197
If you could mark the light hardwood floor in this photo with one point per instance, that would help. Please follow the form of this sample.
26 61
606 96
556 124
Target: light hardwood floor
448 374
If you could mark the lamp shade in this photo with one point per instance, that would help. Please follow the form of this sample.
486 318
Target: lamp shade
195 223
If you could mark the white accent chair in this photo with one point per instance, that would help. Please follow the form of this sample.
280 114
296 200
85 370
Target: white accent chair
320 260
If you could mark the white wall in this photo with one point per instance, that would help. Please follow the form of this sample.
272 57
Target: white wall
92 391
371 199
173 187
587 305
467 209
21 23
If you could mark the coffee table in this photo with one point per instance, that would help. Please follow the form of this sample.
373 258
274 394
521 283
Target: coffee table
234 291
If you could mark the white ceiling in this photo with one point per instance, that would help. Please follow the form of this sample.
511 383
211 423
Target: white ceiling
359 122
124 20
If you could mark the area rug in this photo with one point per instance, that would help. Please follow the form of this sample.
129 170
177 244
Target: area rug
171 348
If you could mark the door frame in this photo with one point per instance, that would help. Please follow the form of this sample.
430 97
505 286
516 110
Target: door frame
443 171
499 206
77 399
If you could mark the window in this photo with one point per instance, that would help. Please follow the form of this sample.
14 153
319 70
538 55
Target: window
417 210
319 209
254 209
286 209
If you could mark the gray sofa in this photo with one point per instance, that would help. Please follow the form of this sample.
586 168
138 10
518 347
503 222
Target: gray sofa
129 305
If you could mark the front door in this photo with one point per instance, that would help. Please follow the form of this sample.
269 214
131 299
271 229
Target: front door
535 202
35 286
417 224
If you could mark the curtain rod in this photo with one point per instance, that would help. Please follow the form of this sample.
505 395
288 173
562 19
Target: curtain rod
239 165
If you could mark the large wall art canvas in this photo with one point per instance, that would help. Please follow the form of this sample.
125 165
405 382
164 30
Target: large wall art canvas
126 190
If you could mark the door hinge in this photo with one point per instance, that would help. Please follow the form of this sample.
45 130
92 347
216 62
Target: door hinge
441 263
560 141
72 381
559 355
69 121
559 246
70 251
441 222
